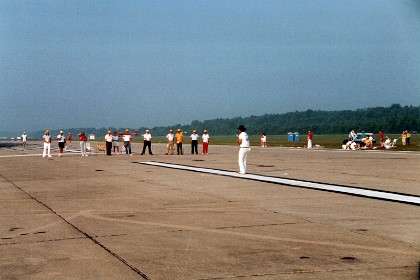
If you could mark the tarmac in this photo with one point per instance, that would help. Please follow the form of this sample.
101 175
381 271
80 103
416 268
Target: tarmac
115 217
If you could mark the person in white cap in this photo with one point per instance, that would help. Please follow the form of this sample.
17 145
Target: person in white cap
147 142
244 148
47 144
170 140
179 139
61 143
194 142
24 139
205 139
127 137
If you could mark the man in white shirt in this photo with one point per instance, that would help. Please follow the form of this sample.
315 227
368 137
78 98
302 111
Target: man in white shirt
147 137
61 143
205 139
170 140
108 143
127 142
244 148
24 139
194 142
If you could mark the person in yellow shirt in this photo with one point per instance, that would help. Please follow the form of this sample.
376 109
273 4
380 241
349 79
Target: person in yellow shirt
179 139
404 138
407 137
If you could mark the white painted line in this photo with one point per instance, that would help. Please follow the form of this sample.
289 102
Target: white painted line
369 193
66 153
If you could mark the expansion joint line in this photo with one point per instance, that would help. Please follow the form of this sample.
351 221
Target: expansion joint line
92 238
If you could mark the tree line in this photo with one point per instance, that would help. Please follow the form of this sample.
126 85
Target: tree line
392 119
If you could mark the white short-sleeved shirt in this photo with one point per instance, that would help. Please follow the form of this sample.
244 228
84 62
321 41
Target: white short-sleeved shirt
24 137
264 138
47 138
170 137
61 138
147 137
127 137
205 138
245 140
108 138
194 136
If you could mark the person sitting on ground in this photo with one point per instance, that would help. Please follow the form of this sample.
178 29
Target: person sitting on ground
368 143
354 146
387 143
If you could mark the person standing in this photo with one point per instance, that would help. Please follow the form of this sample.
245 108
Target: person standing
194 142
170 142
381 138
24 139
61 143
205 139
352 135
127 142
263 140
147 142
407 137
116 143
83 139
179 139
70 137
108 143
404 138
310 135
244 148
47 144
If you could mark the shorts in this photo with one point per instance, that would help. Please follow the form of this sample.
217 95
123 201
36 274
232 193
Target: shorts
61 145
116 144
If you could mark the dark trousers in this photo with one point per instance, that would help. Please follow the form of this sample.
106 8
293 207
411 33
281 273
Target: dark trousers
149 145
194 146
179 148
108 148
127 145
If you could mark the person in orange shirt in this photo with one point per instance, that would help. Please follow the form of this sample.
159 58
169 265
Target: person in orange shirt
179 139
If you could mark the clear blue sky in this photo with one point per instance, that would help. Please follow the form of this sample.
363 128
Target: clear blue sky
136 63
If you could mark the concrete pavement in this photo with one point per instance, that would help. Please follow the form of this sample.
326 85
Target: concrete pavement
102 217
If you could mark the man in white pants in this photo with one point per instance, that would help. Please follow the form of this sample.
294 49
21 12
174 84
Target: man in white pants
244 149
47 144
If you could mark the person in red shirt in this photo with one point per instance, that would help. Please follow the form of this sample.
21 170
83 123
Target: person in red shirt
381 138
83 139
310 135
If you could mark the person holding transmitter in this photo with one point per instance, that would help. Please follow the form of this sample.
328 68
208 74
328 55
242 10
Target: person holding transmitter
244 148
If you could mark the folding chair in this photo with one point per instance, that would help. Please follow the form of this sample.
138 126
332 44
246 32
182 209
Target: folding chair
89 148
101 148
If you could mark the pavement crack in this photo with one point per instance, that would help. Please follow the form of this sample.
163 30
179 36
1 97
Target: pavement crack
87 235
42 241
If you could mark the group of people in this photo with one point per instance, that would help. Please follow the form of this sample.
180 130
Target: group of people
112 141
366 141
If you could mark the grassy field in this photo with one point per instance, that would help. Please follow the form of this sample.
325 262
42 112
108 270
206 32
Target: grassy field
332 141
